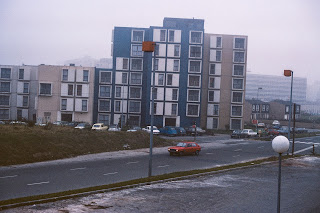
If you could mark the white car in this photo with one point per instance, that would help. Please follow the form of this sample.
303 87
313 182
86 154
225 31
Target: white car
114 128
155 130
99 127
248 133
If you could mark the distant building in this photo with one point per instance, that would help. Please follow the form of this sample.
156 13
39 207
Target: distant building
18 91
256 110
65 93
312 108
275 87
88 61
279 110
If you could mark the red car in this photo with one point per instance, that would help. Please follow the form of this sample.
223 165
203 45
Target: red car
185 148
273 132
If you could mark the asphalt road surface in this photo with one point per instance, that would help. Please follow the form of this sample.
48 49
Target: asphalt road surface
252 189
106 168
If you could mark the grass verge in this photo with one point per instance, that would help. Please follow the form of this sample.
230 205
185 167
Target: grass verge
127 184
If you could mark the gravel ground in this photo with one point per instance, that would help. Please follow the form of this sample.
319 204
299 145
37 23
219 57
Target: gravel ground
251 189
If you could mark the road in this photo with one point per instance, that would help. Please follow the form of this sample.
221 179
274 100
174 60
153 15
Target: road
106 168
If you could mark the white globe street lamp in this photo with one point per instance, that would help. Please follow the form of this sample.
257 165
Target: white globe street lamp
280 144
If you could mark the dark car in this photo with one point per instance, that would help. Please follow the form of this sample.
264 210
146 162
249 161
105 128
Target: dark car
168 130
185 148
180 131
237 133
83 126
194 131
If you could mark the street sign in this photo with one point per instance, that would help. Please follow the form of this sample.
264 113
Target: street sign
287 73
148 46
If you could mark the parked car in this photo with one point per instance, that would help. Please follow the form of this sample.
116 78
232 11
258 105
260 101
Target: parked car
192 131
114 128
99 127
134 129
155 130
272 131
60 123
2 122
237 133
83 126
180 131
18 123
40 124
185 148
284 130
168 130
74 123
247 133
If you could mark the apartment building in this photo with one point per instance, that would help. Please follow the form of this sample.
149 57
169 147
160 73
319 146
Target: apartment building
18 92
65 93
199 78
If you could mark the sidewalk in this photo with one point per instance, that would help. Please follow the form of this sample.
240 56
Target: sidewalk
251 189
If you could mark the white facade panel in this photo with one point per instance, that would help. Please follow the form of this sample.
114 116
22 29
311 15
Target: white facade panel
85 90
209 123
177 36
159 95
159 110
20 87
175 80
213 55
168 109
25 113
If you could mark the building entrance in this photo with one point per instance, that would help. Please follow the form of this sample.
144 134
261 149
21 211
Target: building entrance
170 122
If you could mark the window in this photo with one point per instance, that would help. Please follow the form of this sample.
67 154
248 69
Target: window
218 55
237 97
136 64
176 65
124 78
134 106
174 108
136 78
135 92
4 114
137 35
196 37
257 107
210 96
174 94
118 92
236 110
237 83
263 108
79 90
163 35
193 95
287 109
4 86
63 104
194 66
155 93
169 79
84 105
104 105
193 109
117 106
238 70
267 108
85 75
219 43
70 89
19 114
45 89
5 73
64 75
171 35
212 69
154 108
157 50
21 74
160 79
156 64
211 82
4 100
136 50
176 50
215 109
105 77
238 57
105 92
194 81
25 101
253 107
214 123
239 43
195 51
103 118
125 64
235 124
26 88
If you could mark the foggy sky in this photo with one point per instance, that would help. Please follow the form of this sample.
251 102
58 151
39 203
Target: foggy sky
282 34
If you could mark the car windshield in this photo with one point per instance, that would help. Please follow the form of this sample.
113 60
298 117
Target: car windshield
181 144
82 124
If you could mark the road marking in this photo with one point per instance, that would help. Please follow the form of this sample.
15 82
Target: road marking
236 156
209 153
111 173
133 162
260 147
237 150
11 176
78 168
302 150
31 184
163 166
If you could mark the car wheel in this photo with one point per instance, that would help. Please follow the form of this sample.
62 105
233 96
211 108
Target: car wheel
197 152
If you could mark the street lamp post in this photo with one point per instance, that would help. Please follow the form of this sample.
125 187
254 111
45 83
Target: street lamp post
149 46
280 144
289 73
